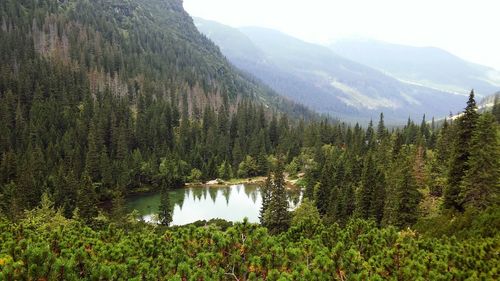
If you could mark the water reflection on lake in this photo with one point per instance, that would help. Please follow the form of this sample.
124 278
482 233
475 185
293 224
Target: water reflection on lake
191 204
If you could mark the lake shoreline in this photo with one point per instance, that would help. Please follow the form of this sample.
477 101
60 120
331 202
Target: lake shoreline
233 181
259 180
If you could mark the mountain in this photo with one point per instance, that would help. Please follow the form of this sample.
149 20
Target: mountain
487 103
428 66
131 48
319 78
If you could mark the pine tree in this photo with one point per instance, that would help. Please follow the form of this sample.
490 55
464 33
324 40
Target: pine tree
276 215
87 200
378 200
105 168
366 192
66 190
370 137
224 170
440 163
407 195
265 192
466 125
92 162
322 196
381 130
425 132
165 210
481 182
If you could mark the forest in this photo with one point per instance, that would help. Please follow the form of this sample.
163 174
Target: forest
93 110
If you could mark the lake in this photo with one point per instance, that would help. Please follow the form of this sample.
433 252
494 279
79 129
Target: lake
231 203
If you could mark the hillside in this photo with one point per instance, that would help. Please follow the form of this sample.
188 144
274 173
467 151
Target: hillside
432 67
317 77
130 47
101 98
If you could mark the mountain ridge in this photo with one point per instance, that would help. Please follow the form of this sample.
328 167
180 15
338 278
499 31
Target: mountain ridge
429 66
317 77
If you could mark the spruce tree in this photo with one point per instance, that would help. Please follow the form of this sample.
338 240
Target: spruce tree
466 125
381 130
87 200
265 192
407 195
118 211
92 161
165 210
481 183
365 193
322 196
277 216
378 199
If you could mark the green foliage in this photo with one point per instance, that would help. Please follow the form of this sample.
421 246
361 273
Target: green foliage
69 250
111 90
87 200
195 176
225 171
407 196
461 153
274 213
481 181
306 218
165 210
247 168
468 225
101 98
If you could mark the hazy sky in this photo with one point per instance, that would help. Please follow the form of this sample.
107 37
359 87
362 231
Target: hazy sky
467 28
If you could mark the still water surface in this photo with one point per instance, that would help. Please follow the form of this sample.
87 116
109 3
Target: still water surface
194 203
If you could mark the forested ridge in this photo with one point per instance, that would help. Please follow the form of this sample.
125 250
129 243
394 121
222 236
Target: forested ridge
100 99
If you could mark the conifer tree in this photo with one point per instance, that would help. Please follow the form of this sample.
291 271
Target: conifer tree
407 195
265 192
105 168
466 125
276 215
322 196
366 192
481 183
92 162
381 130
378 200
165 210
118 203
87 200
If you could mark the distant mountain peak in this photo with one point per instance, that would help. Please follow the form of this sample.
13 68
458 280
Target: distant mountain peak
320 78
428 66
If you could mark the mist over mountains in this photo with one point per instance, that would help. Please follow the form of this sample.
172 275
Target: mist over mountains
338 85
428 66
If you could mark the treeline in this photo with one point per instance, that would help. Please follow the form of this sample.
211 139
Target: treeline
46 246
396 178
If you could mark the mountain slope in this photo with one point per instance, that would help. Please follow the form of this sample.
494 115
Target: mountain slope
100 98
317 77
132 48
428 66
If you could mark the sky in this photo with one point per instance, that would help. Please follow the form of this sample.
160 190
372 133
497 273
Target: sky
467 28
